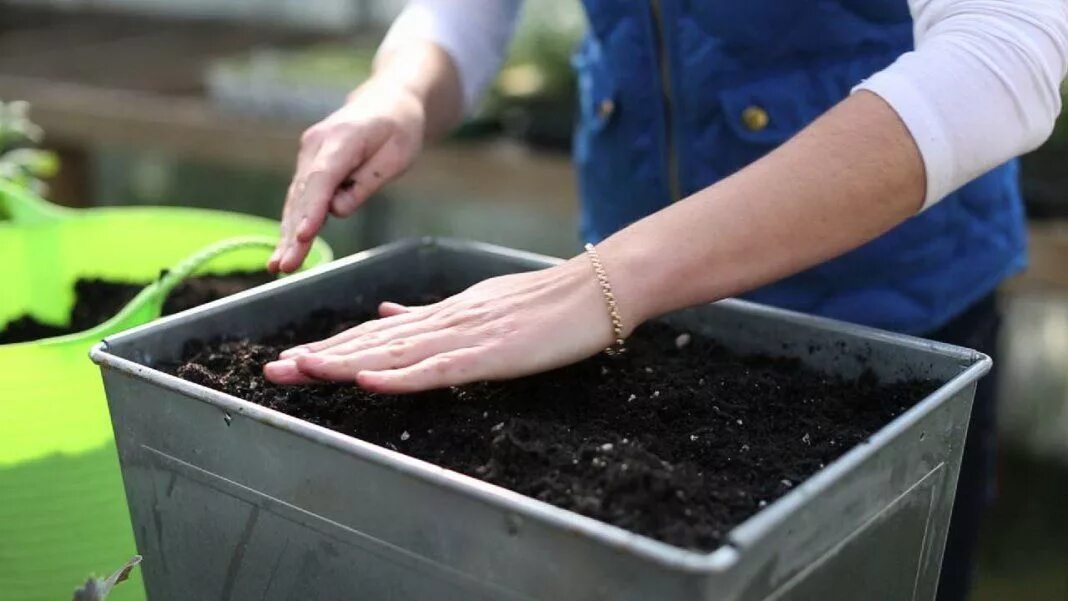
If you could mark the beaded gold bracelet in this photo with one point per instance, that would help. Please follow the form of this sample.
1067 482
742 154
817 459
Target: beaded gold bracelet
609 299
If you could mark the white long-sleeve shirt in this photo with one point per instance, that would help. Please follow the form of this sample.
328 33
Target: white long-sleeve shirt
982 85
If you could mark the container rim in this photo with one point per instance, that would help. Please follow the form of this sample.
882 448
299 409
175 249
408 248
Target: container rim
646 548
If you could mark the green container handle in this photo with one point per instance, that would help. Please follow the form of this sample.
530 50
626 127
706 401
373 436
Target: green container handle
148 304
23 207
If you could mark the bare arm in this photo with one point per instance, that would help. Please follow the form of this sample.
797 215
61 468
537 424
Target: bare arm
427 72
851 175
847 178
981 87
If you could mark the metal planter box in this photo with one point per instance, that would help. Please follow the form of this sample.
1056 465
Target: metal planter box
231 500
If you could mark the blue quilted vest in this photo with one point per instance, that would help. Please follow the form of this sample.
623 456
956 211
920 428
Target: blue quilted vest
676 94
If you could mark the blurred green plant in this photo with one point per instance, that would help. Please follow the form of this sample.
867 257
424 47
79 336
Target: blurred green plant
327 64
535 94
97 589
20 159
539 62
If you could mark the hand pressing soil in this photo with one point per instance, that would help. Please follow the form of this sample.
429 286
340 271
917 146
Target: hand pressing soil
679 439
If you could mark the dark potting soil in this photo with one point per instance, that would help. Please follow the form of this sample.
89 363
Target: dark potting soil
204 289
97 300
679 439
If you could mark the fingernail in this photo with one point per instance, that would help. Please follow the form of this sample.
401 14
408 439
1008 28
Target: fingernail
289 261
388 309
295 351
275 368
284 372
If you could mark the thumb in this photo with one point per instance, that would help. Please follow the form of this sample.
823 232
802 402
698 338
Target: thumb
388 309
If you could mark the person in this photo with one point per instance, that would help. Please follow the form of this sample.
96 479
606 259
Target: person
848 158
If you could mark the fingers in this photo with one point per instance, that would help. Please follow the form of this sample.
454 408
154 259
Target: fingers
312 192
453 368
388 309
403 336
286 372
346 200
398 353
391 160
293 257
363 329
328 169
313 204
333 163
380 338
310 142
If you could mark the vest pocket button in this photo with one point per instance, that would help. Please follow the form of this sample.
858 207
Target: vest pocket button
605 108
755 118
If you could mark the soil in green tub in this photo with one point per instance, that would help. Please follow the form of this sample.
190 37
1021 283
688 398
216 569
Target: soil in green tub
679 439
98 300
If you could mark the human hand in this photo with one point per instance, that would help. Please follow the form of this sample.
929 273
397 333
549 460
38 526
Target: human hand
344 159
502 328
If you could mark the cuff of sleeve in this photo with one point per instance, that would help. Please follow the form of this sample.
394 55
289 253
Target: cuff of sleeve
925 126
418 22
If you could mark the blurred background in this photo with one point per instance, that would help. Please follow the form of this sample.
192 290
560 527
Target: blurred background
201 102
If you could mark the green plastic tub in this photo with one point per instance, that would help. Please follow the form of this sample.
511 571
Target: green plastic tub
63 513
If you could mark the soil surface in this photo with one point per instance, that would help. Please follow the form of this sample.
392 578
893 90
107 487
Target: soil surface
204 289
98 300
679 439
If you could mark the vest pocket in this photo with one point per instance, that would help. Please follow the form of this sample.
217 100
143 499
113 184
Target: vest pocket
597 93
760 115
767 112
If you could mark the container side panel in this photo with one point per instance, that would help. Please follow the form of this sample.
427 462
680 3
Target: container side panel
795 536
250 507
846 350
235 506
896 536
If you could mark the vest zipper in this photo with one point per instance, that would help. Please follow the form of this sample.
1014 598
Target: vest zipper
665 92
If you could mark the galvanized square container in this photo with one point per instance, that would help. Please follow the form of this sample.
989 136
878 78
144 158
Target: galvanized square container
231 500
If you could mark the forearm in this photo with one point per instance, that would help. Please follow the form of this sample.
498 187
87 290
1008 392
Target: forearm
981 87
850 176
427 71
461 43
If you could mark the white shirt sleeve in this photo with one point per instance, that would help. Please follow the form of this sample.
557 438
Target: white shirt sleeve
474 33
982 85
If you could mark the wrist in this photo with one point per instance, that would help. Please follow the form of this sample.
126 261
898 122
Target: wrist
384 84
641 280
631 299
426 73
